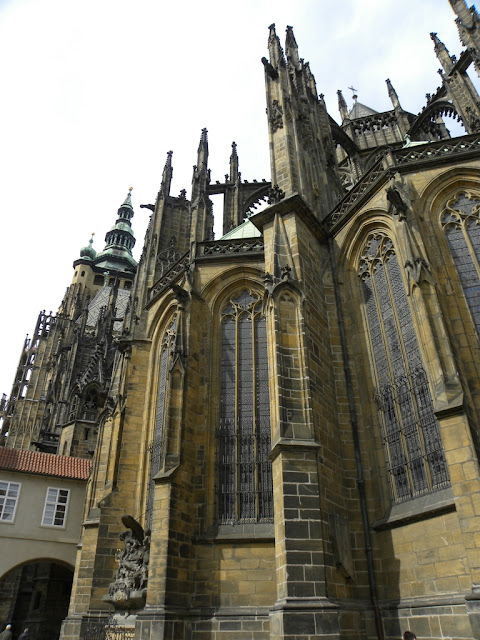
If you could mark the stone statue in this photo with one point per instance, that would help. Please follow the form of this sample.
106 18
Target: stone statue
129 588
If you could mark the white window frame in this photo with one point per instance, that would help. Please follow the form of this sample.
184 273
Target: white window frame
52 500
4 499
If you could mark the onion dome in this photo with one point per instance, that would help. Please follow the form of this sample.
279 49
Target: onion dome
88 252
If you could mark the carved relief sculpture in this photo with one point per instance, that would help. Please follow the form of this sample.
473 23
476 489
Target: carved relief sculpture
129 588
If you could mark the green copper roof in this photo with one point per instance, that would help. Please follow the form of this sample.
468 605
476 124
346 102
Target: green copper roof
128 200
88 252
119 241
246 230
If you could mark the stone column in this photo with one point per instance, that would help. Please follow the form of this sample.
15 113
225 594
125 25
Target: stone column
302 611
150 624
464 471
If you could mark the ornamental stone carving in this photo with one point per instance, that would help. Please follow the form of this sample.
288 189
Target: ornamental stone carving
129 588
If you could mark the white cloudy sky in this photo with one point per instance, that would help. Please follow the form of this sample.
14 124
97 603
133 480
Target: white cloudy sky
94 93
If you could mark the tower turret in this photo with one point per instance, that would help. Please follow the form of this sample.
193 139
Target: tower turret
117 254
302 153
202 216
201 174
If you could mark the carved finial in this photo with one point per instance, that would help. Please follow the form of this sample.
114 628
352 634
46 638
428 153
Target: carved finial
233 177
441 52
275 50
342 105
393 95
202 155
291 49
275 194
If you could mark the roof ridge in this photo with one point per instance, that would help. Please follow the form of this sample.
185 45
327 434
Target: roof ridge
25 461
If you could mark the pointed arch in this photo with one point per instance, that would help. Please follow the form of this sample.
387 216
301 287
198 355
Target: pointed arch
451 205
156 447
426 121
90 402
413 450
460 221
244 477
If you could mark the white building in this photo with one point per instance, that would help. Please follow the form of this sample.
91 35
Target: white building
41 508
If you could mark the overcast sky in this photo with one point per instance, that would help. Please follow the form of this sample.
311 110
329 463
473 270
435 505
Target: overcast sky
94 94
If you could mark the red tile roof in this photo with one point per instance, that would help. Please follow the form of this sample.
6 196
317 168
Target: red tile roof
47 464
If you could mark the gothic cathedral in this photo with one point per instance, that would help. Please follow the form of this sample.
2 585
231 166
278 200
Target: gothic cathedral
284 422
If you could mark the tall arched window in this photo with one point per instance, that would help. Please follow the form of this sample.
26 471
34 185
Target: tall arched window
157 444
412 444
461 223
245 473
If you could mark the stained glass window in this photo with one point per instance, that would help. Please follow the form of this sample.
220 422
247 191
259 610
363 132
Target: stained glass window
461 223
412 444
245 472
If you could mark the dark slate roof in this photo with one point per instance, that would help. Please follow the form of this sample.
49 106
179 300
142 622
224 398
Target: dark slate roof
101 300
45 464
360 110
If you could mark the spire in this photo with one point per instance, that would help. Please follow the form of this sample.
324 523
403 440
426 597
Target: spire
442 54
128 201
167 176
342 106
274 48
463 13
202 153
234 163
291 49
201 228
119 241
302 152
393 95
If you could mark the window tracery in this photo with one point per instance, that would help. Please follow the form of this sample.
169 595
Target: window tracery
157 446
90 404
411 438
461 223
244 474
73 408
